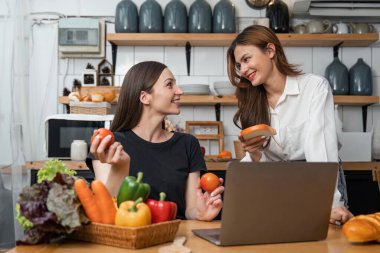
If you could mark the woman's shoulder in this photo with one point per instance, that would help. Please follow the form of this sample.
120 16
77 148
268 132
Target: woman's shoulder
314 82
185 138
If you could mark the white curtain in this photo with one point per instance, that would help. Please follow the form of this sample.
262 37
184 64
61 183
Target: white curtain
14 62
42 88
28 80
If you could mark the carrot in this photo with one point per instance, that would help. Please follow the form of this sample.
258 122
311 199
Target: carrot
104 202
87 199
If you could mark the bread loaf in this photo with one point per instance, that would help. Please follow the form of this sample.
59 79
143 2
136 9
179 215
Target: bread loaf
257 130
363 228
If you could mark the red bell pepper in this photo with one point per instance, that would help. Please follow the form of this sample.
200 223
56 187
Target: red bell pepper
162 210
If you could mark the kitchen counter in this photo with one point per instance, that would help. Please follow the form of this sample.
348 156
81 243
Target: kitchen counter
81 165
335 242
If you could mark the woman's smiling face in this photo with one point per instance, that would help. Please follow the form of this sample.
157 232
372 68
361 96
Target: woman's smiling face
166 94
254 63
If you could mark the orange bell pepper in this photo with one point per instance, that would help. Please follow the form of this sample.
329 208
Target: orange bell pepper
133 214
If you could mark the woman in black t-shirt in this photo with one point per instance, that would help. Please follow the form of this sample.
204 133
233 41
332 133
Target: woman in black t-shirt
171 162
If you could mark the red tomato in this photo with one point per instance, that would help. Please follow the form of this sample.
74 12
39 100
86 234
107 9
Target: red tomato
209 182
103 132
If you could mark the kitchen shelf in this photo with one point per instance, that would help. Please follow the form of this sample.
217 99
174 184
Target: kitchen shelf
225 39
231 100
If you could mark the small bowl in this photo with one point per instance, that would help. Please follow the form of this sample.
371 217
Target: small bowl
225 91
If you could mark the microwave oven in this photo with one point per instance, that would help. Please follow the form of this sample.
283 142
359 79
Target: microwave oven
62 129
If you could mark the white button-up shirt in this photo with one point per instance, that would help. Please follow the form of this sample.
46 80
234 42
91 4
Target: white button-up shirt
305 124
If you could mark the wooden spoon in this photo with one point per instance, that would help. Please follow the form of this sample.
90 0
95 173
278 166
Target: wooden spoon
176 246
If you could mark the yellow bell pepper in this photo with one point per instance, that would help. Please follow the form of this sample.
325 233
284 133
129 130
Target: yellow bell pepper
133 214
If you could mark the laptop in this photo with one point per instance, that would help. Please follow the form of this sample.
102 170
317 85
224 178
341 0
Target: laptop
274 202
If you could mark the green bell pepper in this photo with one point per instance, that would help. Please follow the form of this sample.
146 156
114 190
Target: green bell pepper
132 189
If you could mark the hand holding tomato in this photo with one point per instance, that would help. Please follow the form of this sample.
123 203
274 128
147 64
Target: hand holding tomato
209 182
102 133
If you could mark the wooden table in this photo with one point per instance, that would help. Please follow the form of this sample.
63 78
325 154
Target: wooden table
334 243
79 165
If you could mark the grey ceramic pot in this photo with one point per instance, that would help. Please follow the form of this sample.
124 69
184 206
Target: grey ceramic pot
224 17
126 17
337 74
361 79
150 20
175 17
200 17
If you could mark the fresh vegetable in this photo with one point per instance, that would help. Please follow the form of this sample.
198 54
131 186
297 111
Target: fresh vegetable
225 154
209 182
132 189
88 201
104 202
22 220
49 210
133 214
51 168
162 210
102 133
257 130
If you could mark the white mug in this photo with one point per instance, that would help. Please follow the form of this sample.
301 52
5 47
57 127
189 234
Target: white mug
341 28
78 150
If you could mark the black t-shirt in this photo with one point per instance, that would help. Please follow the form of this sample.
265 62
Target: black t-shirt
165 165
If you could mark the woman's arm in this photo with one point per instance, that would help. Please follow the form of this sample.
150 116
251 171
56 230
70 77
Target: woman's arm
111 165
202 206
321 143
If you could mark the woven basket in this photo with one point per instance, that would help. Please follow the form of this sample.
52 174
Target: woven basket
127 237
98 108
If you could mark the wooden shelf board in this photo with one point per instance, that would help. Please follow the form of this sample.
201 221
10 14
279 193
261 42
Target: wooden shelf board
171 39
327 39
225 39
356 100
207 136
231 100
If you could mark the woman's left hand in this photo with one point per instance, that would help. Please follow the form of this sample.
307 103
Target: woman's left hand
208 205
340 215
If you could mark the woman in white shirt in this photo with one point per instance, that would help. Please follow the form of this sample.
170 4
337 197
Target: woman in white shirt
299 106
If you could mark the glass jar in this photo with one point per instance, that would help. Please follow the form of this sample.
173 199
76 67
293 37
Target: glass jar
278 14
224 17
150 20
126 18
78 150
361 79
200 17
175 17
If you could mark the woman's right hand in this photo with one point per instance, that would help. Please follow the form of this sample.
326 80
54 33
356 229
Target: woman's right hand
254 146
114 155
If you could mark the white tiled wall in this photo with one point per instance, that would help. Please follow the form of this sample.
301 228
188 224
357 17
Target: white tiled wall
208 64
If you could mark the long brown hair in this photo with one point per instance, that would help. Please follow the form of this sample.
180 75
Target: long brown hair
253 106
141 77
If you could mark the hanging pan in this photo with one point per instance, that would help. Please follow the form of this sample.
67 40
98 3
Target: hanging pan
257 4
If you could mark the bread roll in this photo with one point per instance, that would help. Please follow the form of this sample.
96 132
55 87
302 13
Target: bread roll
74 96
109 96
257 130
97 97
363 228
